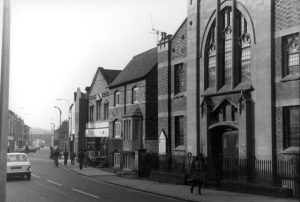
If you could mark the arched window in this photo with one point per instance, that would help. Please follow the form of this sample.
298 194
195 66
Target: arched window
117 98
211 58
227 43
245 47
225 64
135 95
106 110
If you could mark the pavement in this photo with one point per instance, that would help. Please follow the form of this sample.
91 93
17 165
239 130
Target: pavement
179 192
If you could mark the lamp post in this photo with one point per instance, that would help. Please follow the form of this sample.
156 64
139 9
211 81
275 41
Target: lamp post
59 114
59 138
69 117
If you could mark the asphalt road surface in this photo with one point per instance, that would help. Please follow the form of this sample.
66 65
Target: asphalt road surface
58 184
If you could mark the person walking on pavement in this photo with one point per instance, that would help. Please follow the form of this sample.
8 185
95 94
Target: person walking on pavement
198 172
80 159
86 154
66 155
55 157
72 157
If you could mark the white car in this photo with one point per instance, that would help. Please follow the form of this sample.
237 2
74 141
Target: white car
18 164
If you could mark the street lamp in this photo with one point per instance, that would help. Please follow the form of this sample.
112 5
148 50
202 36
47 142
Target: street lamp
69 117
59 114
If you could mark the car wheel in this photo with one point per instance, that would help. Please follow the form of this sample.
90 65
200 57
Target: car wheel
28 176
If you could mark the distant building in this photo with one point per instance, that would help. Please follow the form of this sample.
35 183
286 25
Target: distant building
18 132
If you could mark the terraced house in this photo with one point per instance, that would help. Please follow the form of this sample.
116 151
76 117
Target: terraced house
133 111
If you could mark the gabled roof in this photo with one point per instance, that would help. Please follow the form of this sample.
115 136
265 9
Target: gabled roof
108 74
137 68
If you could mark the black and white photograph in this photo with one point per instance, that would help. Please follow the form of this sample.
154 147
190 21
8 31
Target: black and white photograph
150 100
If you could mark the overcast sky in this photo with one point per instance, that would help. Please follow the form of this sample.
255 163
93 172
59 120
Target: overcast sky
57 45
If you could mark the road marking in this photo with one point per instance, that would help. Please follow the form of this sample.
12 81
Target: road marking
35 175
86 193
54 182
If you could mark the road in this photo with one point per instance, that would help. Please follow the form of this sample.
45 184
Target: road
58 184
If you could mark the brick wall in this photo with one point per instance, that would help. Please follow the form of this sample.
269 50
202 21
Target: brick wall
287 13
287 92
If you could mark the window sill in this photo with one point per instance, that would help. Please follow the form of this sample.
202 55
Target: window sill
179 95
180 148
290 78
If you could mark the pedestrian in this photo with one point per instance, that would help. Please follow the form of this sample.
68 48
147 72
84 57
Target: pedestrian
80 159
55 157
66 155
72 157
198 171
86 154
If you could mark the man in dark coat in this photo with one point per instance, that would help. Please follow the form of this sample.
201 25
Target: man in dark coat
72 157
80 159
198 171
56 156
66 155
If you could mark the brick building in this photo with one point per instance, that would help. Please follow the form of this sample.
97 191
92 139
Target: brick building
97 127
18 132
133 111
229 82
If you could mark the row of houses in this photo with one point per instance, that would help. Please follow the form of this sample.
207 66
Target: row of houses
18 132
225 84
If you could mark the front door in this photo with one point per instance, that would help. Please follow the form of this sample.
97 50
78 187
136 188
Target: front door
230 145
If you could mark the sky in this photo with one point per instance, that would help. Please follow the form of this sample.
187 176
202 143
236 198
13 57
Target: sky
57 46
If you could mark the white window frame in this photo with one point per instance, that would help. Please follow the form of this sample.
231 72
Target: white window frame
117 129
117 98
135 95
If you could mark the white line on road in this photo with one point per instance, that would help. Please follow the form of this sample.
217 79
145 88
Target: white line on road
35 175
54 182
86 193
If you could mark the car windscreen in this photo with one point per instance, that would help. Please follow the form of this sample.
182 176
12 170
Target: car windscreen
16 158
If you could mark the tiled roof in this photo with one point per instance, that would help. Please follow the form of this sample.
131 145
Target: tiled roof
110 74
138 67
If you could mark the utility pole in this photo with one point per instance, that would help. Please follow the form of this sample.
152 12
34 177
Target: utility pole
4 93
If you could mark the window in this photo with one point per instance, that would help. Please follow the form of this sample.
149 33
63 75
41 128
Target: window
106 112
98 110
179 131
127 129
116 160
291 54
227 45
117 98
179 78
91 113
135 95
243 47
291 126
117 129
136 128
211 58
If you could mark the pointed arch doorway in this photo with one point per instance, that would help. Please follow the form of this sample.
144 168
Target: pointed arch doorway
223 145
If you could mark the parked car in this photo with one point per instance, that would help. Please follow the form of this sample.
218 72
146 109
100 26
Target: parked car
21 149
32 149
18 164
93 157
